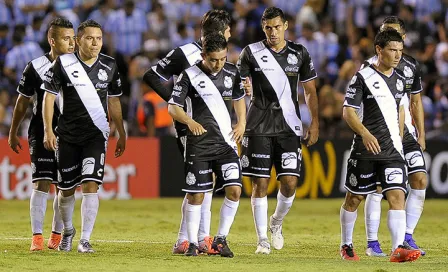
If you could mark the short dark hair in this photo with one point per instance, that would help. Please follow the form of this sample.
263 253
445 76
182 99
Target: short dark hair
271 13
213 43
58 22
395 21
383 38
86 24
215 21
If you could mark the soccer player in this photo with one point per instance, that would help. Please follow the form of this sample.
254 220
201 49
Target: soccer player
374 109
89 85
61 38
211 85
176 61
274 128
413 147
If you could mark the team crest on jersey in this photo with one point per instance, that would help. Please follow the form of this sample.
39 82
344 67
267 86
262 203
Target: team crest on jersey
408 71
191 179
292 59
228 82
399 85
244 161
102 75
353 181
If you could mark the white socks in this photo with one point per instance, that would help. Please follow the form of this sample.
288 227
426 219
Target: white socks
193 218
206 214
260 213
89 211
227 215
396 221
283 206
38 206
414 208
372 213
58 225
183 235
66 207
348 220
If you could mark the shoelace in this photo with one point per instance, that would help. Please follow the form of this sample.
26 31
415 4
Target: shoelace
376 248
86 244
412 243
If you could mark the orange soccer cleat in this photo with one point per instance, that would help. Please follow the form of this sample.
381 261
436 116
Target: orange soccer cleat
348 253
38 243
205 246
403 254
54 240
180 247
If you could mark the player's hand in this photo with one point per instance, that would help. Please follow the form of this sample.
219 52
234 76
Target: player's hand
50 141
238 132
371 143
14 142
196 128
247 85
120 147
312 134
422 142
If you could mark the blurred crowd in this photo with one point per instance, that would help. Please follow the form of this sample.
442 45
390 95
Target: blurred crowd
337 33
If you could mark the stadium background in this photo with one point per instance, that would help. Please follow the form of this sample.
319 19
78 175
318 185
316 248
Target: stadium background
137 232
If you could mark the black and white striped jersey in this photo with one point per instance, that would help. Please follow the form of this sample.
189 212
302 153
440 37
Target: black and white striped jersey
209 104
30 86
377 98
176 61
274 109
411 70
83 91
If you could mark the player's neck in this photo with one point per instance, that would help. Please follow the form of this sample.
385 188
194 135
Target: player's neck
53 55
278 47
386 70
87 60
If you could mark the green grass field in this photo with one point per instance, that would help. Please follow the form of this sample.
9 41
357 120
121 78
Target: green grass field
137 235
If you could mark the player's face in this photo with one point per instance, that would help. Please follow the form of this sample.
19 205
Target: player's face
90 42
63 41
390 55
275 30
227 33
214 61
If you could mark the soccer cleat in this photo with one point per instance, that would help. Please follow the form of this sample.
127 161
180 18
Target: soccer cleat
348 253
276 235
192 250
180 247
67 241
374 249
85 247
402 254
205 246
263 247
410 242
37 244
54 240
220 245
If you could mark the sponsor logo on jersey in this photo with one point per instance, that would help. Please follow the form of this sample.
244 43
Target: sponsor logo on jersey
101 85
292 69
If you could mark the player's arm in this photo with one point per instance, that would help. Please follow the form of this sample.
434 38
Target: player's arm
239 105
176 102
47 115
243 65
170 65
401 120
353 100
114 93
417 112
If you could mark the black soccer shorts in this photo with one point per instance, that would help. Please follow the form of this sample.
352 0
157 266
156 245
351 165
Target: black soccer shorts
43 162
413 154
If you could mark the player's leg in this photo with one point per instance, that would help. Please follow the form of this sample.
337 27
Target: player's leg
38 206
358 183
418 183
93 159
199 180
393 181
57 225
256 162
228 173
287 161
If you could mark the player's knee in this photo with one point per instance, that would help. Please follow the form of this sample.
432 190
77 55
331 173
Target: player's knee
288 185
42 185
67 193
233 193
89 187
259 187
195 198
352 202
418 181
395 199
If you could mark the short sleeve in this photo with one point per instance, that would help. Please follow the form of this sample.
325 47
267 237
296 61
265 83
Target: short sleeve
172 64
238 89
180 90
52 78
417 84
355 91
307 71
27 83
243 63
115 87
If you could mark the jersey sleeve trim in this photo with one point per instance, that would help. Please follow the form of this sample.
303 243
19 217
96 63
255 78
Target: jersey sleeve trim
115 95
22 94
47 90
351 106
417 92
171 101
239 98
154 68
306 80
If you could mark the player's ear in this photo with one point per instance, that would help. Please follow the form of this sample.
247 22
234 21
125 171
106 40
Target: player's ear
286 25
203 55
